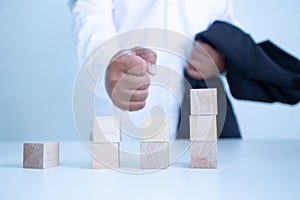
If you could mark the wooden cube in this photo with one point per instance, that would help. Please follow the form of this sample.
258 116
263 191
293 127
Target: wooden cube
204 154
106 129
105 155
204 101
154 155
40 155
156 129
203 127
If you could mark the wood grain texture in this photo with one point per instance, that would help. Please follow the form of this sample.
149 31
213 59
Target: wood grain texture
203 128
156 129
204 154
204 101
33 155
154 155
105 155
106 129
40 155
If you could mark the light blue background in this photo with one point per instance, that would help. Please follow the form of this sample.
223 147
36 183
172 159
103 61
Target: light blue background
38 67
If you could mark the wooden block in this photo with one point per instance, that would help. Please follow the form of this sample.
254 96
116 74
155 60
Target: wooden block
204 101
154 155
204 154
106 129
50 163
40 155
156 129
203 128
105 155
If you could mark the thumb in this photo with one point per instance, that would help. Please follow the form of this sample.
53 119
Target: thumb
149 56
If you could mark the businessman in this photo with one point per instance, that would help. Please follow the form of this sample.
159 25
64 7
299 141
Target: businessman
96 21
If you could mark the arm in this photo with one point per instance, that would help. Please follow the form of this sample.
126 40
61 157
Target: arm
205 61
127 78
93 24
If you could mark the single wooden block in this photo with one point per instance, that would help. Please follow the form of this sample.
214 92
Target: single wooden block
154 155
203 128
204 154
105 155
156 129
106 129
204 101
40 155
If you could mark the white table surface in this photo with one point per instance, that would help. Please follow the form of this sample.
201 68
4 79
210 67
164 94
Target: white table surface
247 170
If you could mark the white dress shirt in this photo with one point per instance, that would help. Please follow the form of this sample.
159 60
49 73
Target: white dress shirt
96 21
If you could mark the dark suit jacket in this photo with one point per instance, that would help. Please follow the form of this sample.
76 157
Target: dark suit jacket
258 72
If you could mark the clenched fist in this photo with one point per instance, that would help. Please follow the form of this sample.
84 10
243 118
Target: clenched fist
205 61
127 77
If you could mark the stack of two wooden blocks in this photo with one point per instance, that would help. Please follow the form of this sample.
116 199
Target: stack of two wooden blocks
106 142
203 128
155 146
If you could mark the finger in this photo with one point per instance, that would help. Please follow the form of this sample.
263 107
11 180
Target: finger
203 63
136 66
189 66
131 64
152 69
144 87
198 46
129 95
199 56
195 64
130 81
131 105
194 73
147 54
130 87
115 77
139 95
136 105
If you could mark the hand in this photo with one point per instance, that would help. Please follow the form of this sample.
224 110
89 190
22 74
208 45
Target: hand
205 61
127 78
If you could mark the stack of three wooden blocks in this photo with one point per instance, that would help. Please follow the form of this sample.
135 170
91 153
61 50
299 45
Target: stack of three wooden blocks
203 128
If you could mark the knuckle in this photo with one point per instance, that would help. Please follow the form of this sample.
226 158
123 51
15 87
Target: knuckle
146 81
147 78
116 62
133 61
191 63
153 54
139 105
145 94
112 81
144 86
